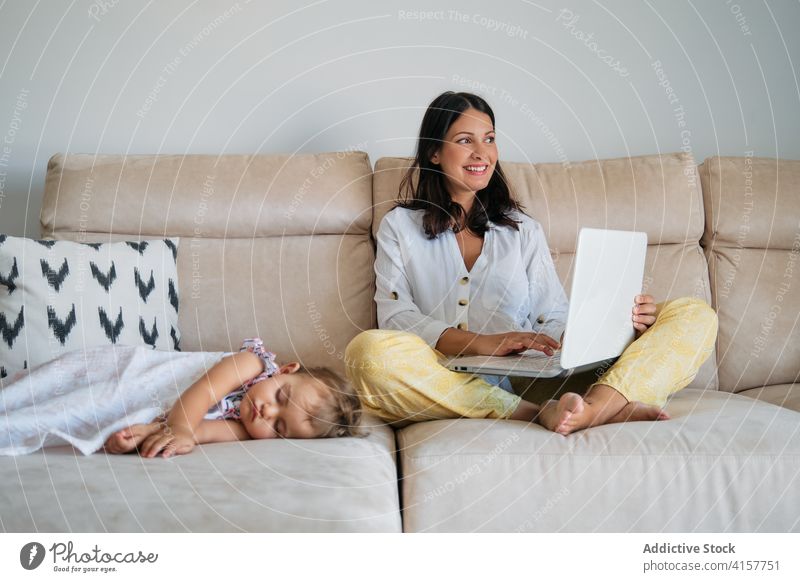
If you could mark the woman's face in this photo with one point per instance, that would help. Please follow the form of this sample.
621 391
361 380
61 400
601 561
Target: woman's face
468 154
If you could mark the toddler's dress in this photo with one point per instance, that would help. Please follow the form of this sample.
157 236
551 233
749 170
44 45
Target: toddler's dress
228 407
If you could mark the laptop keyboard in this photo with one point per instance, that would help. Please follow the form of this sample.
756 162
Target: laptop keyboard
527 363
537 355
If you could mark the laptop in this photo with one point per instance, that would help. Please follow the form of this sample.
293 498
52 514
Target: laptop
609 266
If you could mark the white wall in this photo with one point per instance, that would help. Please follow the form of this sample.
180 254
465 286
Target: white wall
280 76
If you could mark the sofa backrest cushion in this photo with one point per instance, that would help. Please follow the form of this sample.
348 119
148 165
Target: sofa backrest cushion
752 239
658 194
276 246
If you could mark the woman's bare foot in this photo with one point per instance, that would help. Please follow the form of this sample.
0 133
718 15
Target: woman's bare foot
527 411
128 439
602 405
560 415
634 411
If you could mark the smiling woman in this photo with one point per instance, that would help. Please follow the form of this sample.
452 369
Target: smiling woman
457 167
461 269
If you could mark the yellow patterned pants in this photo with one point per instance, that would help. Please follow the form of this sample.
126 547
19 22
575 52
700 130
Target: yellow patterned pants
400 378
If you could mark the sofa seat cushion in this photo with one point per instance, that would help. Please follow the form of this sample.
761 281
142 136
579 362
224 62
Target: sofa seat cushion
341 484
723 462
786 395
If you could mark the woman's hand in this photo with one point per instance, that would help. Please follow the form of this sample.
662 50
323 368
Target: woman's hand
503 344
644 310
168 441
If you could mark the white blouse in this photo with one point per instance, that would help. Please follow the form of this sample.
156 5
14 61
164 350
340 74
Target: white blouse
423 286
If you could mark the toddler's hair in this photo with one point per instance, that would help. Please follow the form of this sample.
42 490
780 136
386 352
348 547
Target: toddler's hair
340 416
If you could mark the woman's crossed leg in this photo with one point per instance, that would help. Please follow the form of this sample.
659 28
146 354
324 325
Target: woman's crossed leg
663 360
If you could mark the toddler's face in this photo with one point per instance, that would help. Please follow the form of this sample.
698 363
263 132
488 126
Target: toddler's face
282 406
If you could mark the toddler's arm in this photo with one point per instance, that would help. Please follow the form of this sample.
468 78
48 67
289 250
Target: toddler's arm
178 434
220 431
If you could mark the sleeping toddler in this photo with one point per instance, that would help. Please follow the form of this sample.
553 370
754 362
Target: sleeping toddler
248 396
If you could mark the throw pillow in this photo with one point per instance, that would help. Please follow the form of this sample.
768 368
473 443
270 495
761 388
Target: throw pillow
57 296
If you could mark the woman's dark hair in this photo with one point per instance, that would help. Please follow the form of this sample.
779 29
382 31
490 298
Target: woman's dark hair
430 192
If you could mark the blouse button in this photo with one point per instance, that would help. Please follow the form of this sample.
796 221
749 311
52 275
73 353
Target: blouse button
462 326
540 319
464 280
394 295
462 302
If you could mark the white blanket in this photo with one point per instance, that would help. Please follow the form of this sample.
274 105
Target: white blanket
84 396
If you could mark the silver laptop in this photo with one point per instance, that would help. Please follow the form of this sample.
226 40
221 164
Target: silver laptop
609 266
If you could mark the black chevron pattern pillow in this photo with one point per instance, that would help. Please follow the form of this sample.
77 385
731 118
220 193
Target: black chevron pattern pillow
57 296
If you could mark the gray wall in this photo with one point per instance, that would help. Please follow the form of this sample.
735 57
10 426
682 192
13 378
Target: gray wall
568 80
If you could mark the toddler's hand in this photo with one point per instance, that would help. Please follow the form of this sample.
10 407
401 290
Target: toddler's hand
167 441
127 439
120 442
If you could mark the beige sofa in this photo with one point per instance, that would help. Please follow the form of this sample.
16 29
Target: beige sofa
282 247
